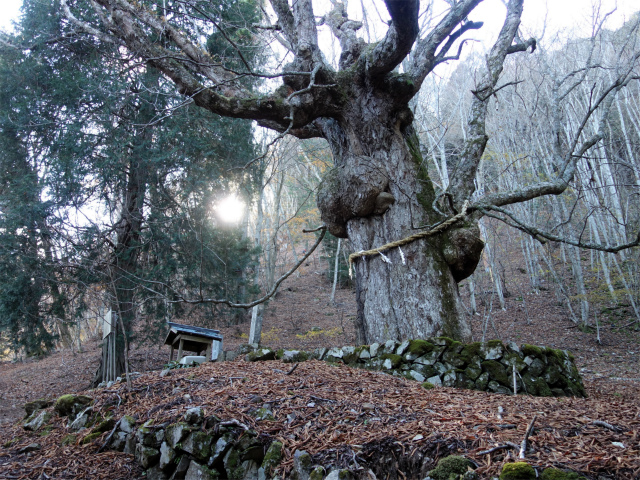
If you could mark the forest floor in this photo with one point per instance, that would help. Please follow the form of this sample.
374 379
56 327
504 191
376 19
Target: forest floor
302 316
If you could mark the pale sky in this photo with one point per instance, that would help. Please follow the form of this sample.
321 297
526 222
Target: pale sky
560 14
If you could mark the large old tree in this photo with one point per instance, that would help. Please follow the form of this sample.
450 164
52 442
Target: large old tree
379 191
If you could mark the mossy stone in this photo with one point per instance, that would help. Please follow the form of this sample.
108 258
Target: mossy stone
391 360
263 413
532 350
495 387
492 350
146 456
557 474
68 404
69 439
451 466
198 444
482 381
37 420
518 471
427 371
318 473
575 389
496 371
105 425
90 438
428 385
167 457
554 377
419 347
261 355
470 351
127 424
175 432
443 341
201 472
349 355
510 358
449 378
34 405
536 366
462 381
473 371
272 458
453 358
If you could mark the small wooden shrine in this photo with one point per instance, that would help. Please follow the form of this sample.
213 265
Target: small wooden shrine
193 339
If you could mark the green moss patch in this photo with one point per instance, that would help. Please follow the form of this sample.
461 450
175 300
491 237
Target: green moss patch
450 467
532 351
69 439
420 347
394 360
557 474
518 471
90 438
11 442
273 457
66 404
496 371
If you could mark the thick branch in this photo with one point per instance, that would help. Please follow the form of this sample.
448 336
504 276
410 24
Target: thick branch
345 31
462 183
83 26
397 43
305 25
285 22
441 58
424 59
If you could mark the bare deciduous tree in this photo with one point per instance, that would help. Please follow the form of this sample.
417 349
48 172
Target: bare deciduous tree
379 191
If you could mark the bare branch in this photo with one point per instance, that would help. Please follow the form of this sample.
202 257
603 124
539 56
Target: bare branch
441 58
513 221
462 183
229 303
424 59
85 27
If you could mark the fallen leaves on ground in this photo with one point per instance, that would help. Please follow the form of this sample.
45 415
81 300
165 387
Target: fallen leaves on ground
344 415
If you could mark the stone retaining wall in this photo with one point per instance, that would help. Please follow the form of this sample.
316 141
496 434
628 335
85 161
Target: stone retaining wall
440 361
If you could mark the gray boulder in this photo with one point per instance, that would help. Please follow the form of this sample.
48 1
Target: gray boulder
34 405
200 472
146 456
194 416
167 456
301 465
81 420
37 420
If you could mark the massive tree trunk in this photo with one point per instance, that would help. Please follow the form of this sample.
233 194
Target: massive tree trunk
379 192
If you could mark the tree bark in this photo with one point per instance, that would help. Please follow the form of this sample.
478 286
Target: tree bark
123 265
380 192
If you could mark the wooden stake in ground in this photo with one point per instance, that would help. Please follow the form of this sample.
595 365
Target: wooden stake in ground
523 445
